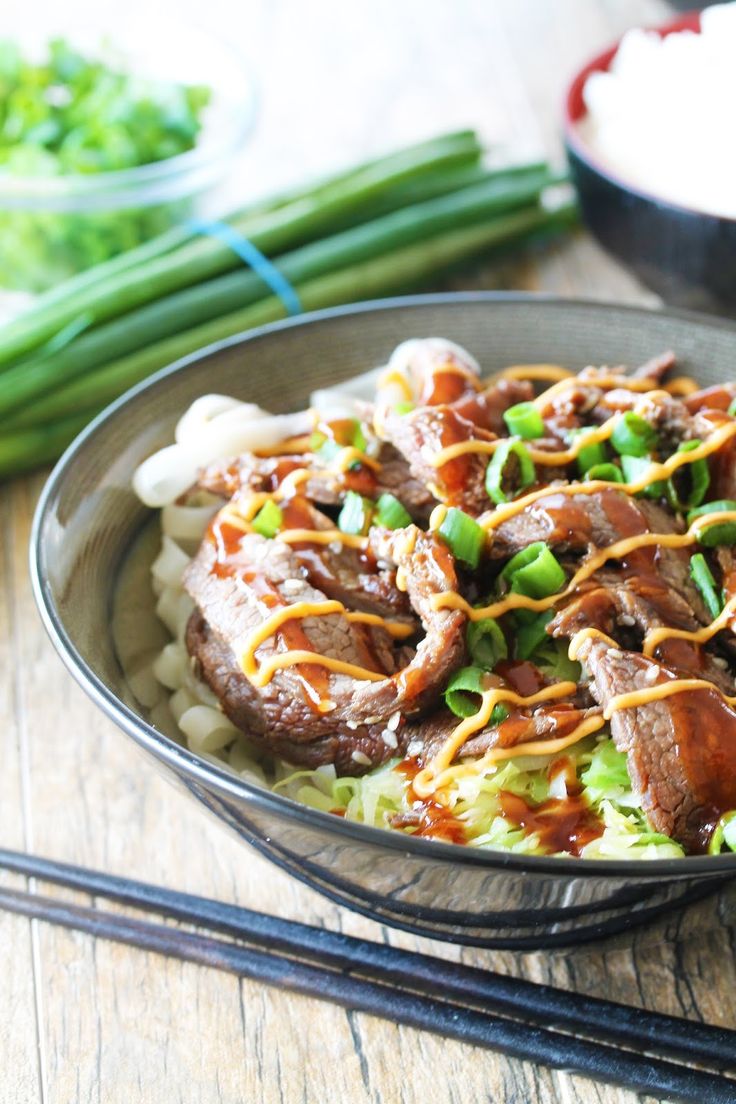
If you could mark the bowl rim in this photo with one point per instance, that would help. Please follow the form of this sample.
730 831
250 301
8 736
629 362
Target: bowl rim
214 777
572 114
123 187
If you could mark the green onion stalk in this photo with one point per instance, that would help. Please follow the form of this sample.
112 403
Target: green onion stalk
405 270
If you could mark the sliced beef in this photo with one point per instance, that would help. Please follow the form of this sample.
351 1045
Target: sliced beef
681 750
627 609
307 703
520 727
395 477
656 368
345 574
585 523
422 434
718 397
571 522
352 749
485 408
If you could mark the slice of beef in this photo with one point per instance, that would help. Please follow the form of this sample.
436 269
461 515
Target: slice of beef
485 408
353 750
345 574
395 477
584 523
520 727
422 434
578 522
718 397
627 609
656 368
307 703
681 750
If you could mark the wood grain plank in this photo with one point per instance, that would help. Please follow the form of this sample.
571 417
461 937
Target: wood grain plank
20 1058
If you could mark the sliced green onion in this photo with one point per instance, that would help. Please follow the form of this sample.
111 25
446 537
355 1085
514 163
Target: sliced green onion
702 576
358 439
524 420
404 407
531 634
634 467
534 571
499 714
512 463
390 513
686 487
355 516
486 643
268 520
463 536
463 691
732 407
724 832
633 436
713 535
590 456
607 472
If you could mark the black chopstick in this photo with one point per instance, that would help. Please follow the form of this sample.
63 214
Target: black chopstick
606 1021
519 1040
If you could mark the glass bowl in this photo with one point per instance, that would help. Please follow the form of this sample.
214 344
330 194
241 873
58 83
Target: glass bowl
54 226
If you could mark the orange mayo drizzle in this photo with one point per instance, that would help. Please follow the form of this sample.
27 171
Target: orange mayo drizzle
580 637
452 600
427 779
405 550
635 698
392 377
310 609
682 385
347 456
653 473
539 456
268 668
655 637
533 747
321 536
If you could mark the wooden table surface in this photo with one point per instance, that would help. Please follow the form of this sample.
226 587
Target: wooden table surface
86 1021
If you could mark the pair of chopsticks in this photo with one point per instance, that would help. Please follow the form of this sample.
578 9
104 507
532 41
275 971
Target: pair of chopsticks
539 1023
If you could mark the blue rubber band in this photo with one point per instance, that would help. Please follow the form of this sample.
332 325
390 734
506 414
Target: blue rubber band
252 256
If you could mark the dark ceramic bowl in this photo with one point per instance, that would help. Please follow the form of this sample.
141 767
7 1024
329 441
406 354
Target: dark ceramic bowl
89 518
687 256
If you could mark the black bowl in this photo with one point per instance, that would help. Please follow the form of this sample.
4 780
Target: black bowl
686 256
88 520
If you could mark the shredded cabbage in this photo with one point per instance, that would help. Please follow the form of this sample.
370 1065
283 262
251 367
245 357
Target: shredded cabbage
378 796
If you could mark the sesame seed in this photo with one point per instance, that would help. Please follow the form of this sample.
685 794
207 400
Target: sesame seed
414 747
291 586
361 757
651 675
626 619
372 720
335 547
389 738
394 721
721 662
352 725
615 653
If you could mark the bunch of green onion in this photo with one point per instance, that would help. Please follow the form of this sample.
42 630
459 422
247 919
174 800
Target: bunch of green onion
388 226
